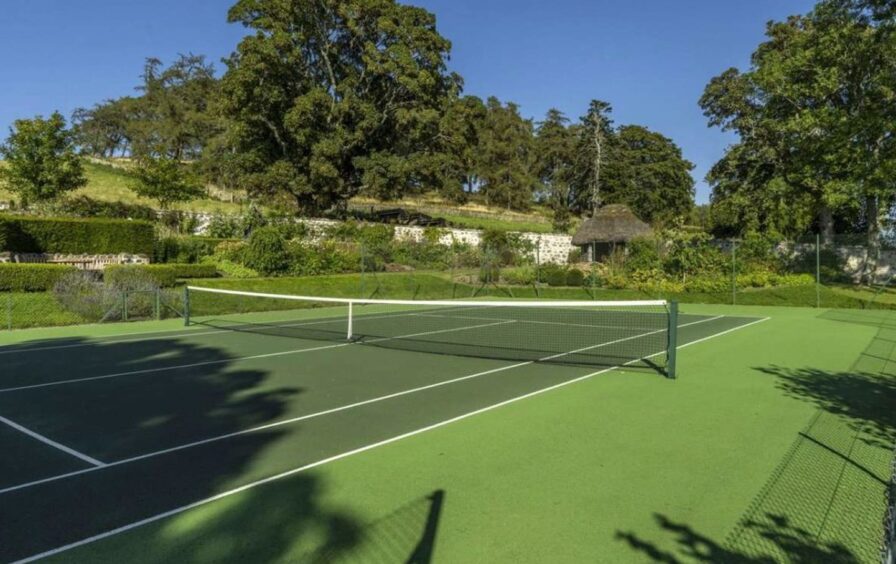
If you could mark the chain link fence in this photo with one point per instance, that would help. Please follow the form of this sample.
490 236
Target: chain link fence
888 547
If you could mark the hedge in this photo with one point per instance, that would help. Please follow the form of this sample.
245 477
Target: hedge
164 275
16 277
76 236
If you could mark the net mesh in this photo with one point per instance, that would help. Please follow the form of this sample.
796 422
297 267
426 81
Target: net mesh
601 334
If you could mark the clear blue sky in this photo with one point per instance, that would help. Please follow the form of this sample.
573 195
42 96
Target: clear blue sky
649 59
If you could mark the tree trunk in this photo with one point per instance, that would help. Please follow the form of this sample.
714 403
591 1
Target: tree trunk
826 224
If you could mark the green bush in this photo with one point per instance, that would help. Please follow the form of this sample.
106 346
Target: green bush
135 276
326 258
84 206
203 270
553 275
17 277
76 236
575 277
230 269
521 276
186 250
267 252
642 254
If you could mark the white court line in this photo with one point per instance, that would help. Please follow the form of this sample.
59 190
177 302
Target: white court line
286 474
590 326
238 359
330 411
96 463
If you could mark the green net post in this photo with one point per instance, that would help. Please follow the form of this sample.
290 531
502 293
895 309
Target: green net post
818 270
671 354
186 306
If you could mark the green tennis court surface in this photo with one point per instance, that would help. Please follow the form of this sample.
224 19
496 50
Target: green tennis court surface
249 438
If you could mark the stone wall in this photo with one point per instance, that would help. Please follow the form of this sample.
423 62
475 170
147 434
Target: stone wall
83 262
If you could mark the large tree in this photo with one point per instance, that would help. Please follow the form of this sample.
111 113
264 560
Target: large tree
555 145
815 116
40 160
329 98
506 157
460 132
171 118
648 172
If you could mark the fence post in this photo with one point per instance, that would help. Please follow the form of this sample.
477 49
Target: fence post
734 272
9 311
158 304
124 305
818 270
186 306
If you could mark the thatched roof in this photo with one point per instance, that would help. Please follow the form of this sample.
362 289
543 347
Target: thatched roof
613 223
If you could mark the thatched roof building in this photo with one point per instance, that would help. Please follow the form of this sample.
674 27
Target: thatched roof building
610 228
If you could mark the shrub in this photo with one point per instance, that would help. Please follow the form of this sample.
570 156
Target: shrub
575 277
186 250
16 277
77 236
266 252
84 294
521 276
553 275
140 277
84 206
225 227
643 254
204 270
489 274
230 269
575 256
327 258
233 251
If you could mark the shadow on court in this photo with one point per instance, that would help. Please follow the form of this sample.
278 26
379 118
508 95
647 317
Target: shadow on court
116 415
799 545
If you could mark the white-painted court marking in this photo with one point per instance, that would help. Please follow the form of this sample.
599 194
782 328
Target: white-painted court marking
350 453
22 429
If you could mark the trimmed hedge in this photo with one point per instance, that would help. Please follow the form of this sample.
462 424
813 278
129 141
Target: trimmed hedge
165 275
24 234
15 277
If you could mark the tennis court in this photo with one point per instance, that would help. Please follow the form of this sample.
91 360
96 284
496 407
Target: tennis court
115 443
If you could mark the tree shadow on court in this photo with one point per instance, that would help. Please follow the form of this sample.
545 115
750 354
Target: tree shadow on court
865 399
777 539
141 415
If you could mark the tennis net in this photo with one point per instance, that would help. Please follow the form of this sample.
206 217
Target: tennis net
592 333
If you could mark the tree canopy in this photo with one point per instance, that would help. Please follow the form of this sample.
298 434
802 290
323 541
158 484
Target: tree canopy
815 115
40 160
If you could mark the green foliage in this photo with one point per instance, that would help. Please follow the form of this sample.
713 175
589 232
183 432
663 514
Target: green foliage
191 249
172 118
643 254
554 275
83 206
505 248
519 276
313 121
165 180
40 160
23 277
267 252
807 153
506 157
26 234
575 277
229 268
140 277
323 258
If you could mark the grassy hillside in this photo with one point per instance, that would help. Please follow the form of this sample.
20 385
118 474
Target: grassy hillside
110 182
